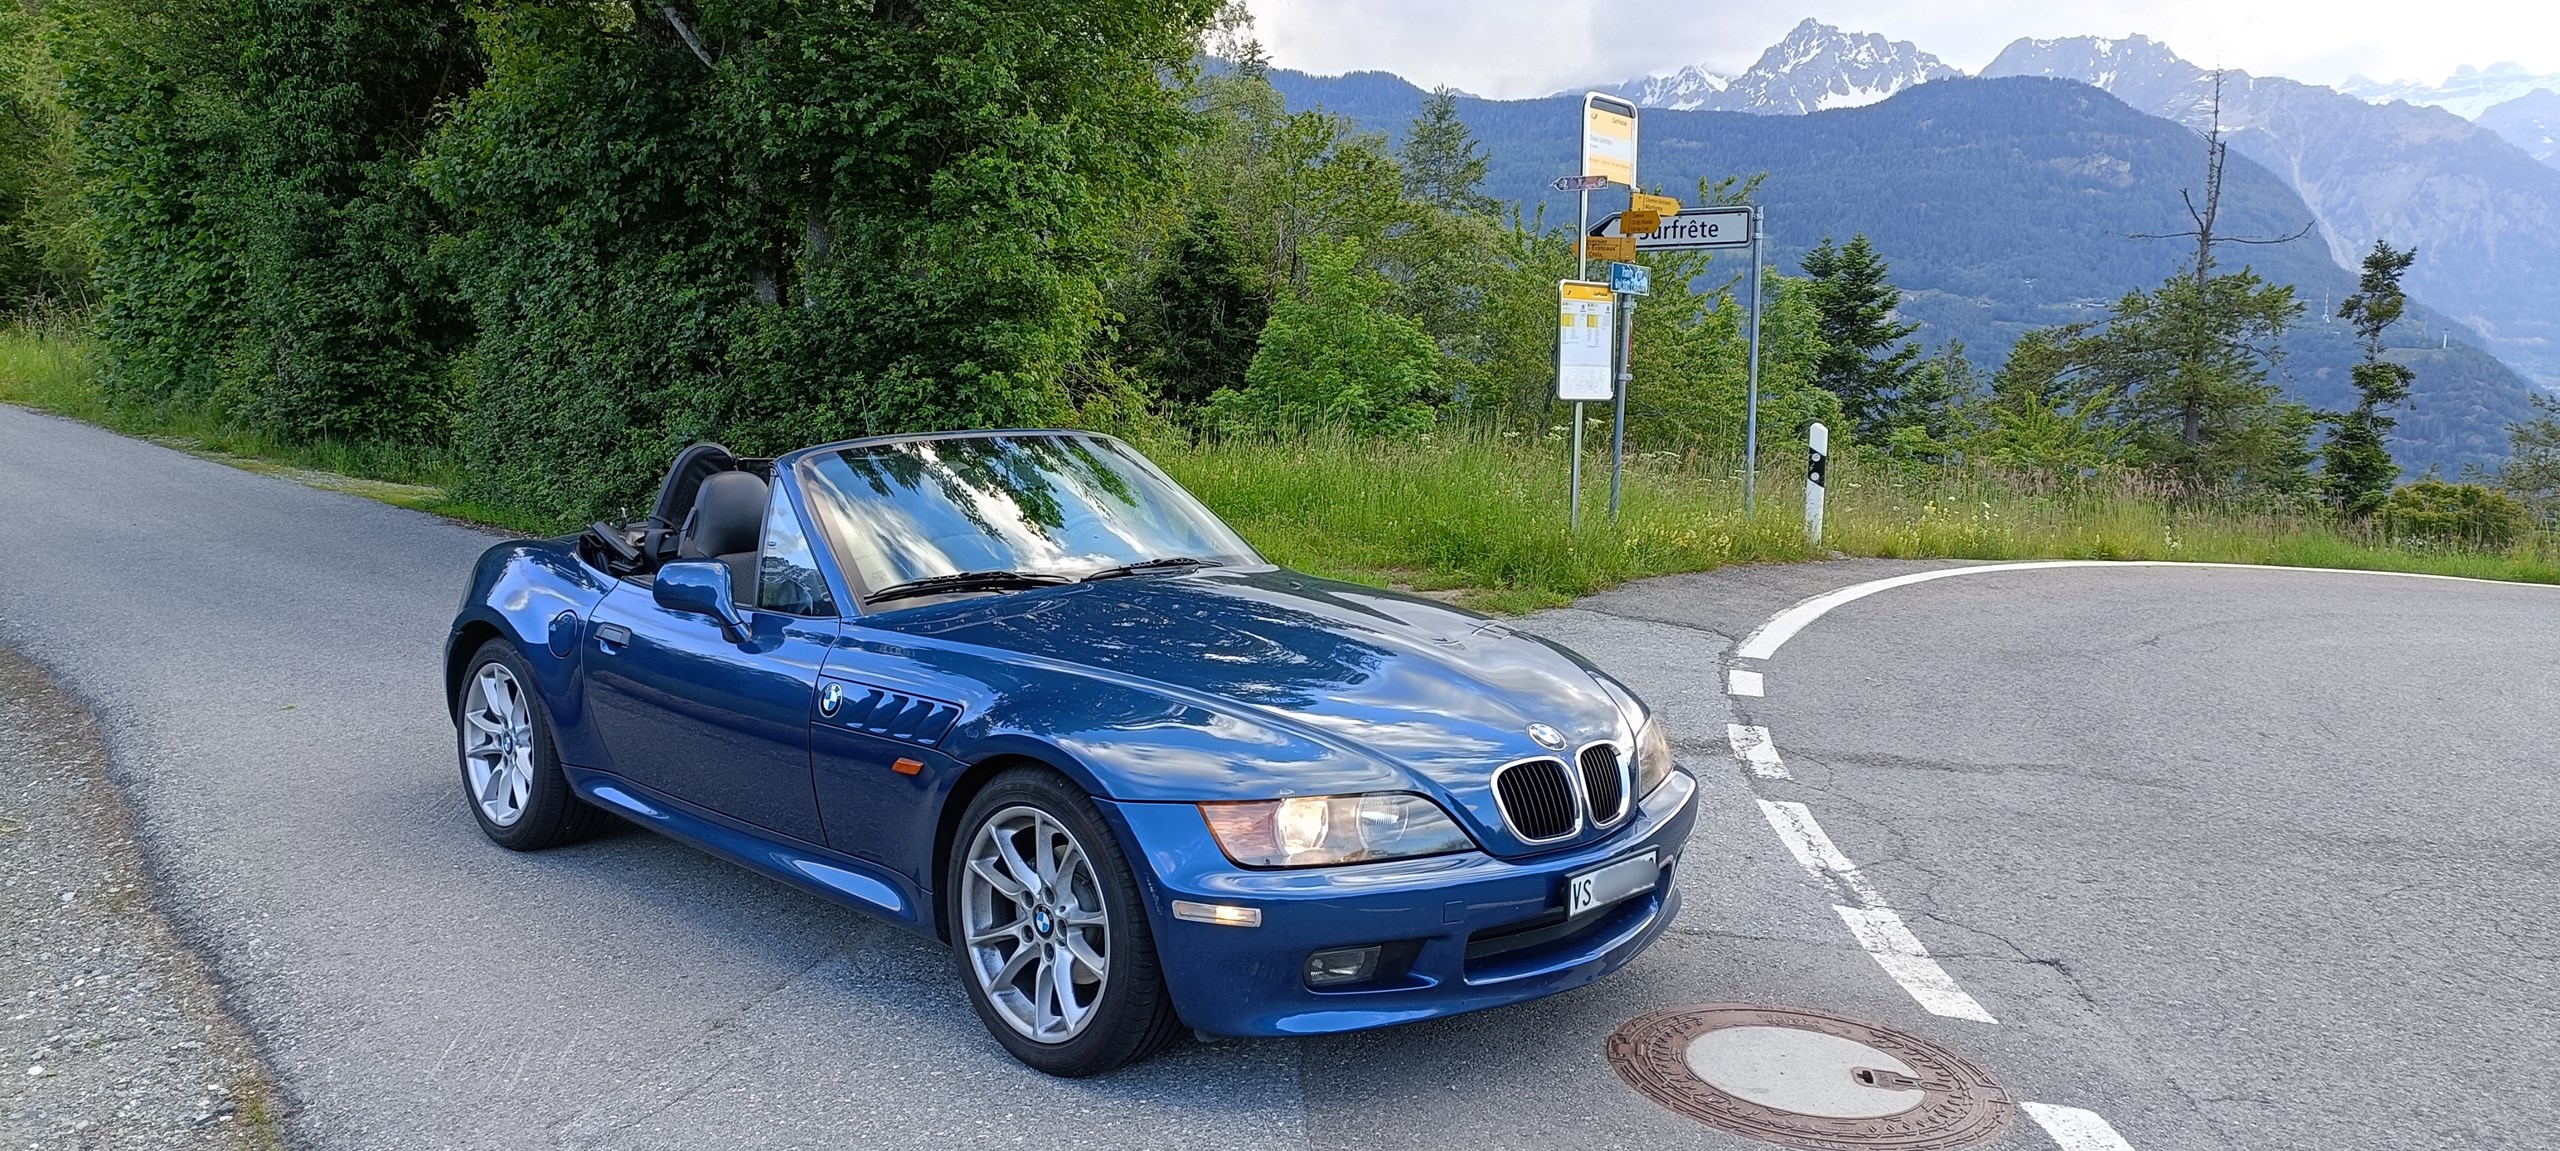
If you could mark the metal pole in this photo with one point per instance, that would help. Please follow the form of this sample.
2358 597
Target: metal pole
1751 417
1573 504
1581 271
1582 241
1626 372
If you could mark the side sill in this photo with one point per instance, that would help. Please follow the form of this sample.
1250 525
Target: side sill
816 870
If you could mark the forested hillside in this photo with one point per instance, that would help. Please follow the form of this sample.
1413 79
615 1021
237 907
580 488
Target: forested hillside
2004 206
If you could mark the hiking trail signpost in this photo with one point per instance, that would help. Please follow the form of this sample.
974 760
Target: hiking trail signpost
1590 366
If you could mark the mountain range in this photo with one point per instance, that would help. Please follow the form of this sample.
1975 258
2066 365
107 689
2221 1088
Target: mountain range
1814 68
2467 93
2530 122
2003 205
2483 213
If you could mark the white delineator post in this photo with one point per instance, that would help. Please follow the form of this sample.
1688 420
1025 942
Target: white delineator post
1817 462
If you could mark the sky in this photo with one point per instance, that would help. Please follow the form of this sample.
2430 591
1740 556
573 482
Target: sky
1517 48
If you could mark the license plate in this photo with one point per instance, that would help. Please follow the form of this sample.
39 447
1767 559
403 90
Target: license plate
1601 886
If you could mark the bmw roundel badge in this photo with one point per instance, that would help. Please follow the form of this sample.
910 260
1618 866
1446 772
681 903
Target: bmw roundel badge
1547 737
831 699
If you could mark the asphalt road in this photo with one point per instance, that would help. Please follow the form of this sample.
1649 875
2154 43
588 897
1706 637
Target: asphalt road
2279 872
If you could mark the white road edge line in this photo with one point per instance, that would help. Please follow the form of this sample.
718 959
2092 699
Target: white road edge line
1740 682
2074 1129
1752 745
1883 936
1763 643
1815 852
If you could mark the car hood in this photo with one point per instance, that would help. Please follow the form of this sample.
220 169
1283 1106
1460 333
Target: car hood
1395 692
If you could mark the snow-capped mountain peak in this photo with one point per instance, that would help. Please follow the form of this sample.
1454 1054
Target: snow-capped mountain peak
1815 67
2467 93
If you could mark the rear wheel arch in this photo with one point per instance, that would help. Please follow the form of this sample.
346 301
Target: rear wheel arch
465 644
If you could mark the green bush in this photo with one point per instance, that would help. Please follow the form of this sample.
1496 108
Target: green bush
1336 356
2434 514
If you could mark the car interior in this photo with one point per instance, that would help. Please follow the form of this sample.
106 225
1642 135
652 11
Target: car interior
711 506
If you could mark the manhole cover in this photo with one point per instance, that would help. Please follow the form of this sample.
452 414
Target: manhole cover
1808 1080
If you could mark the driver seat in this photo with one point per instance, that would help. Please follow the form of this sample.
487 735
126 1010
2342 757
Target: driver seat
725 524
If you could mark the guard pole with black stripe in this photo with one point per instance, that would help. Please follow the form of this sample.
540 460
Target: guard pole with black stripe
1816 462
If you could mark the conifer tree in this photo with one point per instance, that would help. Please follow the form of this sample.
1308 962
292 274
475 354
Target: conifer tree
1443 165
2357 461
1856 303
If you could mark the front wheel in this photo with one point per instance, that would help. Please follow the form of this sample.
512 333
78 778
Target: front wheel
1050 935
511 775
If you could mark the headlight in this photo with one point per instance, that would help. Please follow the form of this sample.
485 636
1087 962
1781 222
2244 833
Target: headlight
1653 756
1314 831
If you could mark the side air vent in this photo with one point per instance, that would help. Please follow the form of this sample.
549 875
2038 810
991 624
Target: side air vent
1537 800
889 714
1604 783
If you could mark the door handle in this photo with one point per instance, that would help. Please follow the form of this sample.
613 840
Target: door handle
612 637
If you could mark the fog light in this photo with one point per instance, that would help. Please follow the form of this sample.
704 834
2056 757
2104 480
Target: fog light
1342 965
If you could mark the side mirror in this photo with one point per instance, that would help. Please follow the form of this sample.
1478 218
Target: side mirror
700 587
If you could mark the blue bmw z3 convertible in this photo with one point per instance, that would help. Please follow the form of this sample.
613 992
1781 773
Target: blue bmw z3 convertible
1020 692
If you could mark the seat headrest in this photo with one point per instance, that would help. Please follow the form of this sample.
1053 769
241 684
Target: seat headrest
728 515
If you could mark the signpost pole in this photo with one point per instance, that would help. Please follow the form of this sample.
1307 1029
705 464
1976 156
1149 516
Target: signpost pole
1581 271
1626 372
1573 503
1751 416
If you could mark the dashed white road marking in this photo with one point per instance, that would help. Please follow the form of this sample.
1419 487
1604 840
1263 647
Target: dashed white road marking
2074 1129
1879 932
1882 935
1782 627
1740 682
1753 746
1815 852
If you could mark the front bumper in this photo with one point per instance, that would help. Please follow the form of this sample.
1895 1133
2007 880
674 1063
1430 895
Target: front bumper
1230 980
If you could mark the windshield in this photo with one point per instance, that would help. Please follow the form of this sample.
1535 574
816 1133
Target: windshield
1066 505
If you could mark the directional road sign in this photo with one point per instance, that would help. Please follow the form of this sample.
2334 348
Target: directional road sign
1648 203
1581 183
1693 228
1609 247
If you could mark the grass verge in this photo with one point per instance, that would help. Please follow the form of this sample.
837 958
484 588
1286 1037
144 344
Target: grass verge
1479 516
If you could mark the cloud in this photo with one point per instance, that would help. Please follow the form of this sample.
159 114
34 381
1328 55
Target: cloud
1515 48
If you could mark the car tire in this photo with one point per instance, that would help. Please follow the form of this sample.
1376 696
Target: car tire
511 776
1131 1014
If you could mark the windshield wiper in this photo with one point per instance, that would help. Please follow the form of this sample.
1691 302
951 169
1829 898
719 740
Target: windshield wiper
1152 565
967 581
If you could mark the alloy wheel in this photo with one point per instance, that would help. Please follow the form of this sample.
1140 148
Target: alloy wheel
1035 931
497 744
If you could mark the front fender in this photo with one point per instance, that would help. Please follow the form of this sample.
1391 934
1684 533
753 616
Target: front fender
535 595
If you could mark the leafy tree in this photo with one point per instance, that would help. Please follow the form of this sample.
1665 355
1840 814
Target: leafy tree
157 89
774 222
1935 411
2356 459
1334 356
350 325
1443 165
1281 180
1861 366
1206 321
43 256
